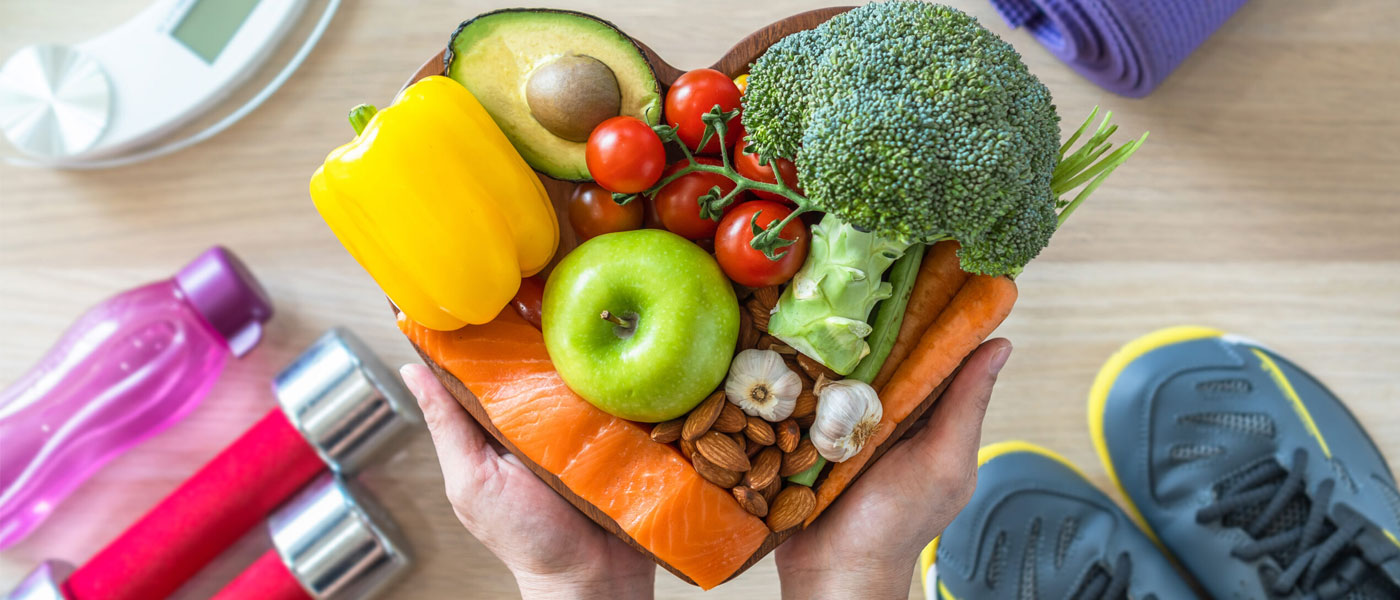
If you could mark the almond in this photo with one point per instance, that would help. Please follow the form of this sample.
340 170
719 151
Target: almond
721 450
791 361
731 419
716 474
739 439
751 500
667 432
768 342
791 507
765 468
770 493
767 296
787 434
748 334
806 422
799 460
758 314
815 369
688 449
759 431
704 415
806 403
753 449
750 340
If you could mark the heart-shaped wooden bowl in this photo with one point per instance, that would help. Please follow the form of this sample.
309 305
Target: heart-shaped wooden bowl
734 62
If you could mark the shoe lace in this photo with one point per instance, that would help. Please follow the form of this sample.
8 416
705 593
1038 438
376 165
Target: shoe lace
1109 582
1306 551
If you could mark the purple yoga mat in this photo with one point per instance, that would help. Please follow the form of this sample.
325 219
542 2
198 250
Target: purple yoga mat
1126 46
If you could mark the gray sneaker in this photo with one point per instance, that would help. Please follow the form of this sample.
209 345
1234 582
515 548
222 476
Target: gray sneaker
1250 471
1036 528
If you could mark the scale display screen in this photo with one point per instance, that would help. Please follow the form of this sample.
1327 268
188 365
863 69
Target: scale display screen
210 24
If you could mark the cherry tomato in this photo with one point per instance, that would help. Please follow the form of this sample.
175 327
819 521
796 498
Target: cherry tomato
652 220
747 266
694 94
528 299
678 204
624 155
592 212
747 165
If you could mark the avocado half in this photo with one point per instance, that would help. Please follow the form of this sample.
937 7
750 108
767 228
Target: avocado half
548 76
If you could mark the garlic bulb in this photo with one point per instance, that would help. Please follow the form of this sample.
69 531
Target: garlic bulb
762 385
848 415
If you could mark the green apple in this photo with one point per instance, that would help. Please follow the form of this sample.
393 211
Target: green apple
642 324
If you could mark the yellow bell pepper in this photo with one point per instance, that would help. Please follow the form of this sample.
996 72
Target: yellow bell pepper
438 207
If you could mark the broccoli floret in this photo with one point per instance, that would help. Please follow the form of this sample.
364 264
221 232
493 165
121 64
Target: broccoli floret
782 101
913 121
910 122
1012 241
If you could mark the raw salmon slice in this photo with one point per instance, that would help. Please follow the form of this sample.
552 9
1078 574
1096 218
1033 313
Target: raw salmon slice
647 488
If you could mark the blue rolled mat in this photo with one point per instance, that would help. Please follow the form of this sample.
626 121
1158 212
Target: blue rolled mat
1126 46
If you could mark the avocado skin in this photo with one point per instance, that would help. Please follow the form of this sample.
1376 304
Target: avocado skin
566 164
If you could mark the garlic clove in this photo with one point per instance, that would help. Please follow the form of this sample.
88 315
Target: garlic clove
848 415
762 385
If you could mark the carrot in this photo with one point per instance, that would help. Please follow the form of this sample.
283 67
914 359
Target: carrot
940 277
977 309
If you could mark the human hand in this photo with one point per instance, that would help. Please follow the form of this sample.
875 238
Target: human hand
553 550
865 544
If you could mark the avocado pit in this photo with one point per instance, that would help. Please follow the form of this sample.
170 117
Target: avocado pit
570 95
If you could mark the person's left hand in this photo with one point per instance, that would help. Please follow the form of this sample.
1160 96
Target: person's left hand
553 549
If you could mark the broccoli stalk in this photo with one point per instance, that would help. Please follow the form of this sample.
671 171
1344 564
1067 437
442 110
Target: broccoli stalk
823 312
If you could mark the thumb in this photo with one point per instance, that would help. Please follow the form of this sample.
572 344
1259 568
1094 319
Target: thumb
461 446
954 431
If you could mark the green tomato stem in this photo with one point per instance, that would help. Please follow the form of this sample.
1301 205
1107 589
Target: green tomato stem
769 241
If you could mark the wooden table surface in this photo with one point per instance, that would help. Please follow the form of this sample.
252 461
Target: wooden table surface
1267 202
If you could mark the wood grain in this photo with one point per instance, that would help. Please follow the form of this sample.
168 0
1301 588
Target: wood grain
1264 203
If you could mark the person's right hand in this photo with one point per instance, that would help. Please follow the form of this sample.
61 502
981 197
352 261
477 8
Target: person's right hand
552 548
866 543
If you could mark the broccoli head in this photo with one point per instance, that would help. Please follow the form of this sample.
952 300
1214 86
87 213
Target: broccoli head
914 122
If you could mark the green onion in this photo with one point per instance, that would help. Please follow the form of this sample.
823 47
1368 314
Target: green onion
890 314
809 476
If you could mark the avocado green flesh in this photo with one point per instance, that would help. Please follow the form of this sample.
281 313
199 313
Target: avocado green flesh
495 54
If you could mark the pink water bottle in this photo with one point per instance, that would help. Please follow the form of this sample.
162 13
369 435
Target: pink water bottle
127 369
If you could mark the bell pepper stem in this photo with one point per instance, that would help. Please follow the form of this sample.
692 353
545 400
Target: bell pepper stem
360 116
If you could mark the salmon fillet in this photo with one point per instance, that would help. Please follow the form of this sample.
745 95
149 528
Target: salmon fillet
649 489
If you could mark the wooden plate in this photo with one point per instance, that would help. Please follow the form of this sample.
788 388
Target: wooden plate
734 62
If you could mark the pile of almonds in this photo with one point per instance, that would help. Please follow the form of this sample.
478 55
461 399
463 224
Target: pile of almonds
747 454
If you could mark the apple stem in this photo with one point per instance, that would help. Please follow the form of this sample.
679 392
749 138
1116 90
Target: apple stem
615 320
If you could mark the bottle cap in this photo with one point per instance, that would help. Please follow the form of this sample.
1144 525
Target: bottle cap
337 542
227 295
43 583
347 403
